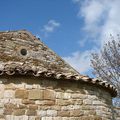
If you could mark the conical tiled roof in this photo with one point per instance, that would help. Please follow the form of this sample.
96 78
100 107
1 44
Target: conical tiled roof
22 53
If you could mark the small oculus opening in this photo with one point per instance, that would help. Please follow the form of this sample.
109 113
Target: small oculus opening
23 52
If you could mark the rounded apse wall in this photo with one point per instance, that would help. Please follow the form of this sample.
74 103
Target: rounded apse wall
37 98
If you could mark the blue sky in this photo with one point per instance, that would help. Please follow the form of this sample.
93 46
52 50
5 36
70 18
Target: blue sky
72 28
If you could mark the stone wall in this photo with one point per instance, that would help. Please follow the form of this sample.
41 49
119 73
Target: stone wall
32 98
117 113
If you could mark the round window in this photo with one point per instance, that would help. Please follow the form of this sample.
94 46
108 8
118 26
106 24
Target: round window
23 52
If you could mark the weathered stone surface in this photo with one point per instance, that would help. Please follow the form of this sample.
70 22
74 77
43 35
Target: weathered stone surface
33 107
27 101
2 87
51 113
9 94
76 113
49 102
10 86
8 111
38 118
36 94
62 102
87 102
37 102
49 95
21 93
59 95
31 112
19 112
64 113
1 111
10 106
42 113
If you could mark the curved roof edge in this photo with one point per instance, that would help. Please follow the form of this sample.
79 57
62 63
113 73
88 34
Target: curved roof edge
33 71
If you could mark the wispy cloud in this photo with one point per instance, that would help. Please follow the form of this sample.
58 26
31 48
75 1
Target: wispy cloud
80 60
101 18
50 27
77 59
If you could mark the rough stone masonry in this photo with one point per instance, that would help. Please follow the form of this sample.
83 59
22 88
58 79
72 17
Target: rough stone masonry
36 84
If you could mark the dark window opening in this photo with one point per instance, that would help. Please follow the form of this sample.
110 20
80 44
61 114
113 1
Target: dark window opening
23 52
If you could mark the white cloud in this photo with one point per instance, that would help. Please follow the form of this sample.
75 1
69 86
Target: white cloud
50 27
80 61
77 59
101 18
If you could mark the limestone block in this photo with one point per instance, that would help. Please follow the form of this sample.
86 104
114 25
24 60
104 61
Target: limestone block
76 113
1 111
4 101
49 95
92 97
38 118
1 105
19 112
21 93
69 91
2 87
66 95
10 86
42 113
87 102
36 86
64 113
51 113
77 102
43 118
59 95
83 96
22 106
75 96
9 94
31 112
15 101
66 118
10 106
27 101
20 86
25 117
38 102
73 107
97 102
31 118
2 119
35 94
47 118
49 102
89 112
28 86
57 118
18 117
64 108
33 107
56 107
8 111
63 102
9 117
